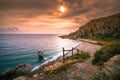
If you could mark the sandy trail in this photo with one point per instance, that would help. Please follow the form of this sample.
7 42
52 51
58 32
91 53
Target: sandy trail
85 47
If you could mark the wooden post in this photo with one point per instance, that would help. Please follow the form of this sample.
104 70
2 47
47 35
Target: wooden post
63 53
72 51
77 50
82 52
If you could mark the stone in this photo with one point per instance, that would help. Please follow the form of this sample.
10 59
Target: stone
112 67
41 74
36 75
20 78
23 67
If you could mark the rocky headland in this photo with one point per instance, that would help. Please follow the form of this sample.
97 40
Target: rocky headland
106 27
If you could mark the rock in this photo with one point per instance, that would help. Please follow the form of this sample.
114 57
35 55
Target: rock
41 74
40 54
36 75
82 71
20 78
112 67
23 67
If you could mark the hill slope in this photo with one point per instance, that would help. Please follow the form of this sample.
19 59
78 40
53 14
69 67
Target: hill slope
106 27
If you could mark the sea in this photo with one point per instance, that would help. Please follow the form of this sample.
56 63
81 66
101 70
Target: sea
18 49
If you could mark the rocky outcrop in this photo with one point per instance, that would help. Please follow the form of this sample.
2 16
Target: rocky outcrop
23 67
20 78
112 68
106 27
82 71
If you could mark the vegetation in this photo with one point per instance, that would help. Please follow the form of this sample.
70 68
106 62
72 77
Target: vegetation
111 70
79 56
101 76
106 53
104 38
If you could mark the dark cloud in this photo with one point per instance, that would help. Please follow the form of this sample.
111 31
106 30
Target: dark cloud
27 8
9 29
28 4
33 12
76 13
93 8
31 8
74 8
103 8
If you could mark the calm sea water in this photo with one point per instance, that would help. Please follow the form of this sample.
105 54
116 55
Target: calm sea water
22 48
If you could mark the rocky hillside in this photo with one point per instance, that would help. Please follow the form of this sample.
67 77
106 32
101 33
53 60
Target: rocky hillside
112 68
106 27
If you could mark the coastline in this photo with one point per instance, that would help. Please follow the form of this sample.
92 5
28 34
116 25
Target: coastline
58 63
40 68
81 46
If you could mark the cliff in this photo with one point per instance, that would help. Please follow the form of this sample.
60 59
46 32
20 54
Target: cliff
106 27
112 68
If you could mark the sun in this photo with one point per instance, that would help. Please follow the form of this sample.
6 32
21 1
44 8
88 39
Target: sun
62 9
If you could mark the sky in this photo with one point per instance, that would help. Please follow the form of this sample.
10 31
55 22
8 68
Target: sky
45 17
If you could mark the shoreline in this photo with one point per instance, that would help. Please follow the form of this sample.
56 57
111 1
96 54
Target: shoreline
58 63
60 58
40 67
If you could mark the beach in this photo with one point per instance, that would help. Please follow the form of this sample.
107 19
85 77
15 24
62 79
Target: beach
83 46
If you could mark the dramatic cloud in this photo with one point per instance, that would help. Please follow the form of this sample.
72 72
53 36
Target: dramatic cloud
92 8
43 16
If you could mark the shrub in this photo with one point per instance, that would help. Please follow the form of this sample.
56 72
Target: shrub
101 76
79 56
106 53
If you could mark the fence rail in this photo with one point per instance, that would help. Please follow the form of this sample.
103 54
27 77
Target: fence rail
63 49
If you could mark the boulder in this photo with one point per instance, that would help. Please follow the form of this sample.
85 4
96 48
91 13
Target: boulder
112 68
20 78
23 67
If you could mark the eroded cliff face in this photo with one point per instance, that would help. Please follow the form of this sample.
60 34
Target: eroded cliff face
112 68
106 27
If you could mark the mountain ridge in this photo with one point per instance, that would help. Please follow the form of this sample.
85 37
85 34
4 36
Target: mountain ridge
105 27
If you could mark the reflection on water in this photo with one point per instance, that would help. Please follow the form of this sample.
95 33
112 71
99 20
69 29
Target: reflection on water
16 49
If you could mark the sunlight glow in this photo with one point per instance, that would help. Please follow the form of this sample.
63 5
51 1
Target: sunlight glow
62 9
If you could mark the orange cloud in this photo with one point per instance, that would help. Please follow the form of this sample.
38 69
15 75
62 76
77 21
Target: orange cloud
43 16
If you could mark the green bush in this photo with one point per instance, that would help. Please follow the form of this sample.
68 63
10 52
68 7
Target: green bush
106 53
79 56
101 76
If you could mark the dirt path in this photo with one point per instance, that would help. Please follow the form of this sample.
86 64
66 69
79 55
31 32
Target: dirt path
85 47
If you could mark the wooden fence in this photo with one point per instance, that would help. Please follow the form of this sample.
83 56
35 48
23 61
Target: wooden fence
69 51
